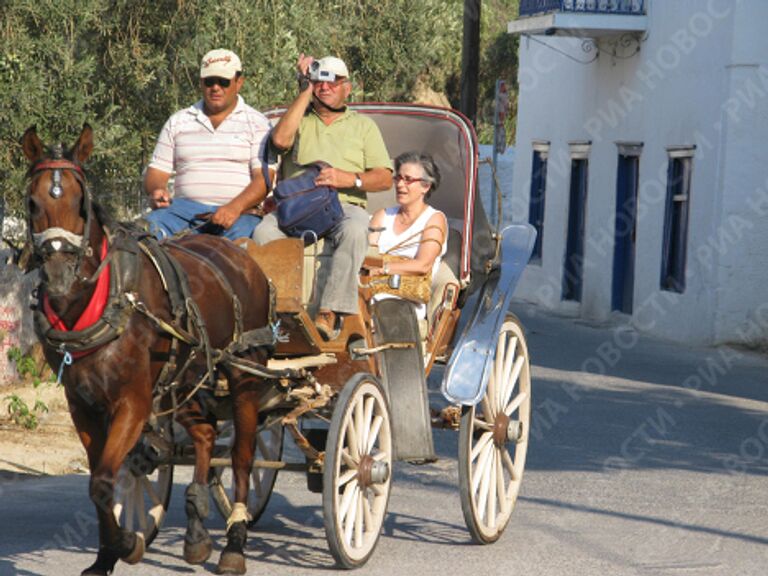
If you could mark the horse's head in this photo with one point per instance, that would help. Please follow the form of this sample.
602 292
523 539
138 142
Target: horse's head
58 208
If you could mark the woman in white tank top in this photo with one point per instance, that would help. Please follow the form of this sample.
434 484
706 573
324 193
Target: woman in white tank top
416 177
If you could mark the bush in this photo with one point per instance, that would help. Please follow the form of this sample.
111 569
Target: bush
125 65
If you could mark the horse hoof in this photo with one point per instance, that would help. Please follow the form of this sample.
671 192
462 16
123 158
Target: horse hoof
138 551
198 552
231 563
104 565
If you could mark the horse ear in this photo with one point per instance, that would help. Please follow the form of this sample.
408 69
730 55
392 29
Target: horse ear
32 145
84 145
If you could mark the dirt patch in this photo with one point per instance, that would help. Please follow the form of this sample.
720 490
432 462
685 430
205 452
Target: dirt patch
52 447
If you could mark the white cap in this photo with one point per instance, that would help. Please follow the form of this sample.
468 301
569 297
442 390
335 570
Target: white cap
221 63
332 65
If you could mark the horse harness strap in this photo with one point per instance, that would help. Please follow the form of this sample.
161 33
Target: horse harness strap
236 308
124 278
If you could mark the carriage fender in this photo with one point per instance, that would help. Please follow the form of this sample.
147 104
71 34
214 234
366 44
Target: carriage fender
466 376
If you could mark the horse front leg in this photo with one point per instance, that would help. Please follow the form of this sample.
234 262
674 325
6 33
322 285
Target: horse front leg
107 445
201 429
245 413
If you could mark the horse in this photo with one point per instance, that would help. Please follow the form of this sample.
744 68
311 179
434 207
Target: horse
129 322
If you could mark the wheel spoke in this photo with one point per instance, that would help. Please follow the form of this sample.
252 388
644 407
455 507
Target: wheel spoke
367 419
510 466
480 471
359 520
350 474
149 489
489 406
492 479
346 500
515 404
347 460
482 425
485 477
481 444
351 440
368 513
359 424
488 413
510 379
130 512
373 435
513 378
497 368
140 510
501 492
352 513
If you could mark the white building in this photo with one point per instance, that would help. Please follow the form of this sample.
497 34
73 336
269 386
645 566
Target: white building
641 158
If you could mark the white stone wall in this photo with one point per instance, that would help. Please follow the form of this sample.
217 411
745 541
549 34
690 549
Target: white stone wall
682 88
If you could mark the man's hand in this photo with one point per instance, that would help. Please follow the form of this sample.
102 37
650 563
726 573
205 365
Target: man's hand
159 198
304 63
225 216
336 178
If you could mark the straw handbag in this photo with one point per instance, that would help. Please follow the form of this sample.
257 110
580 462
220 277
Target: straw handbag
414 287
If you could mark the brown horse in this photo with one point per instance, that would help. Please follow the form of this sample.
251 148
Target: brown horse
128 340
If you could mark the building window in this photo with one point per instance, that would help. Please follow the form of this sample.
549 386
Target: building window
675 241
573 269
538 192
627 179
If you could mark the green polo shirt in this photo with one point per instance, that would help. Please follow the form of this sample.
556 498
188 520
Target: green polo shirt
352 142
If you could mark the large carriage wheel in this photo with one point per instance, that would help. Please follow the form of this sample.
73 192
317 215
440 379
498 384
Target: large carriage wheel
493 439
357 471
144 482
269 447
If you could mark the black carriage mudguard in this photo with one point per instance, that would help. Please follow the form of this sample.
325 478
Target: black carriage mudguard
402 375
466 375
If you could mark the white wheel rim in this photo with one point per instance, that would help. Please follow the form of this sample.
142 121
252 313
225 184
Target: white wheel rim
495 471
360 509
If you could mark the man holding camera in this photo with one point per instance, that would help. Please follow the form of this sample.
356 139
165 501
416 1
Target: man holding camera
319 126
215 147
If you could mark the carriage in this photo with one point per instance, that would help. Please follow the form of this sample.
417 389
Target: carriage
356 404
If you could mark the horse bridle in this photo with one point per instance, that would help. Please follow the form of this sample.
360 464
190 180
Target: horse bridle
56 239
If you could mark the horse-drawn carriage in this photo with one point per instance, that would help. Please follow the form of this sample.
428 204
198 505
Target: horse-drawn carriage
355 404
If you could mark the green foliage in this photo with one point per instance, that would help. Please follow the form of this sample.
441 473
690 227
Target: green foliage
22 415
125 65
29 368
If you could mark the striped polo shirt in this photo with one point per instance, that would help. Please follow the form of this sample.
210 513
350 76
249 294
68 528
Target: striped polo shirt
211 165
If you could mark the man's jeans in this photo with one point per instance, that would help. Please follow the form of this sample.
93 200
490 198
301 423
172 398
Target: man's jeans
183 214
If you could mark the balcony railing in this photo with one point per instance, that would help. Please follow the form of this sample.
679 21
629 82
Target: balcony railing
533 7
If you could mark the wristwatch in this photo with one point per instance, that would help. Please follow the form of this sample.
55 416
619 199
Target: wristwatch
358 182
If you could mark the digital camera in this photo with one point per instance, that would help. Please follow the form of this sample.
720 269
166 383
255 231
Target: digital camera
316 74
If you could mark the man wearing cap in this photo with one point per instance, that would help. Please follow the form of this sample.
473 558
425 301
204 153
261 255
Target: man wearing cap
215 148
319 126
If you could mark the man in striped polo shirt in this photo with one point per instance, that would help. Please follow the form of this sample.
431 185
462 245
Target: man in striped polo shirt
215 148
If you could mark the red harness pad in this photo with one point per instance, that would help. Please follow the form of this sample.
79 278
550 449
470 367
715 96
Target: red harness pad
95 307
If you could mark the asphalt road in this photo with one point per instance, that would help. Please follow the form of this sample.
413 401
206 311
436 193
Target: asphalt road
646 458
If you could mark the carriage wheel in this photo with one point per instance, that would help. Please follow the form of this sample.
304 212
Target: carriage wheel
493 439
144 482
357 471
269 447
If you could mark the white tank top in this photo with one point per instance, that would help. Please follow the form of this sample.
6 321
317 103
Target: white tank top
388 238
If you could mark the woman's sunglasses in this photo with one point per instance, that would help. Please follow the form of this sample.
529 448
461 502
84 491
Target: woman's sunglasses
211 81
408 180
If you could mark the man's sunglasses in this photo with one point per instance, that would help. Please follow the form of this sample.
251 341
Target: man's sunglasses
211 81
